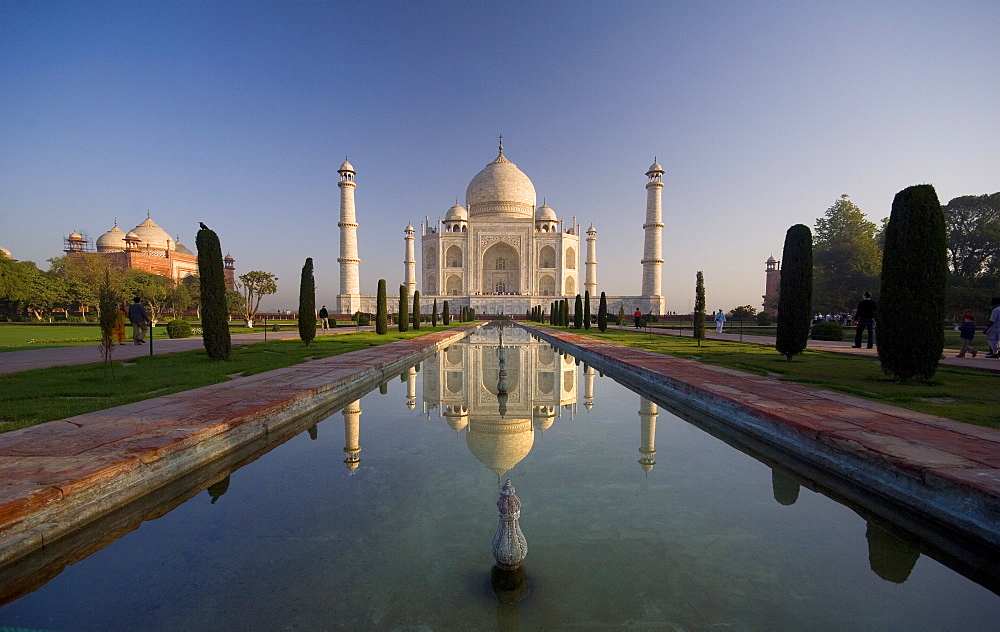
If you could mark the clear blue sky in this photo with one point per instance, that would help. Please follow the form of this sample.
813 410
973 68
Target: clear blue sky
239 113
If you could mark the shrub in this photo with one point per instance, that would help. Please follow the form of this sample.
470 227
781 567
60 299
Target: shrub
827 331
178 329
914 278
364 319
764 319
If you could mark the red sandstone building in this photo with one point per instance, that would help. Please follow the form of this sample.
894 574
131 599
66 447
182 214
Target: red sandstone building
146 247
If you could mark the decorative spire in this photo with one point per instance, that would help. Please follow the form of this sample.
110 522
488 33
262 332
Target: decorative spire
501 144
147 214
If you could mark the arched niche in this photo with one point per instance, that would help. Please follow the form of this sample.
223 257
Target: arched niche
570 258
547 257
453 257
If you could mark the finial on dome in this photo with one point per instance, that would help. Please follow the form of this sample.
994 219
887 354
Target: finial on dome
501 144
116 221
147 214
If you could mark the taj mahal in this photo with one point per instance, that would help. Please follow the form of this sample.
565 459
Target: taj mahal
501 252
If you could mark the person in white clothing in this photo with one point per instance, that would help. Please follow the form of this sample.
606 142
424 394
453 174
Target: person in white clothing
993 329
720 320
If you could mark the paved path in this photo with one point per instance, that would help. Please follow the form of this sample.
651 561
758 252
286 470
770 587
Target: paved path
13 361
836 346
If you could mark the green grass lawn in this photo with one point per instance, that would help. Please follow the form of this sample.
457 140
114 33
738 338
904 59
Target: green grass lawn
32 397
967 395
20 337
951 339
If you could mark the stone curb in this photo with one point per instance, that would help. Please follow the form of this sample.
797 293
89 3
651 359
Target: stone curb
944 471
59 476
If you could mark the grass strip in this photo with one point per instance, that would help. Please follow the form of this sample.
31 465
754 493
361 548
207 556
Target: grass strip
32 397
962 394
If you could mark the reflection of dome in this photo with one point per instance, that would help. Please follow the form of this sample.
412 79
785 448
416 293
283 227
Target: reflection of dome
111 241
545 214
456 213
500 445
152 235
500 189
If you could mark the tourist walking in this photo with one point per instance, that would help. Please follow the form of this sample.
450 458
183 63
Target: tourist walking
324 317
966 331
140 321
638 317
118 328
720 321
993 328
864 316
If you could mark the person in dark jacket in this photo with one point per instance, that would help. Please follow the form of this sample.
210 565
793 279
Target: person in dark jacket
324 317
966 331
140 321
864 316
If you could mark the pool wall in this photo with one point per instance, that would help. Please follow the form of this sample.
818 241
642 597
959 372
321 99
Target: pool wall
62 475
947 473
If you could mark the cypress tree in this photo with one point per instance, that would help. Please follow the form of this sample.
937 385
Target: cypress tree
434 314
586 309
578 313
446 315
602 313
565 312
795 299
307 303
381 311
404 311
214 311
416 310
699 307
552 313
914 275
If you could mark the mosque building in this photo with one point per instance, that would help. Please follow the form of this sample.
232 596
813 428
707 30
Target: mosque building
146 247
501 252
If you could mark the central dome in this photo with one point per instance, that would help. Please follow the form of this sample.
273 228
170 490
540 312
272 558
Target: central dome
501 189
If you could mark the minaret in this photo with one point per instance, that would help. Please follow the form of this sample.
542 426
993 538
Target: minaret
647 417
652 253
349 299
772 283
352 431
410 264
590 283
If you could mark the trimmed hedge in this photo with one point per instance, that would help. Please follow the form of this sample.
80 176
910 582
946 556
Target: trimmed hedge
179 329
827 331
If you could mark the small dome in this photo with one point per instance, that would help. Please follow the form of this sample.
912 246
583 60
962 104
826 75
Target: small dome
654 168
591 230
181 248
771 259
111 241
154 236
409 228
5 252
75 237
228 257
544 213
131 236
456 213
346 167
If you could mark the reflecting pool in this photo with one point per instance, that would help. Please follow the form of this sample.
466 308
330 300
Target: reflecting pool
381 517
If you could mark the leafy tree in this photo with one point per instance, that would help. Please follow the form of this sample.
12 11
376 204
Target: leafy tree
416 310
446 315
47 291
699 307
253 286
234 303
972 225
381 310
586 310
193 284
404 313
434 314
602 313
795 301
578 313
307 303
743 312
914 277
214 307
153 289
178 298
16 279
82 274
846 257
621 314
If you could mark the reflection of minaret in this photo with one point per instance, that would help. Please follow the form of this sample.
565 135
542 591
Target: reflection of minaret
410 264
588 387
590 281
889 557
785 489
352 431
411 388
647 415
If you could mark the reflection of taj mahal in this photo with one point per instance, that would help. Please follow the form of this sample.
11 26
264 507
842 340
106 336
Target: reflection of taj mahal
501 252
461 384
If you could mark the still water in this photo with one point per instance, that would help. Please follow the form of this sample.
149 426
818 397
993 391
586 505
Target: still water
381 517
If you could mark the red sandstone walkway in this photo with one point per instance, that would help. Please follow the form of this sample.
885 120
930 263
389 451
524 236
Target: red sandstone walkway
24 360
62 474
941 457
